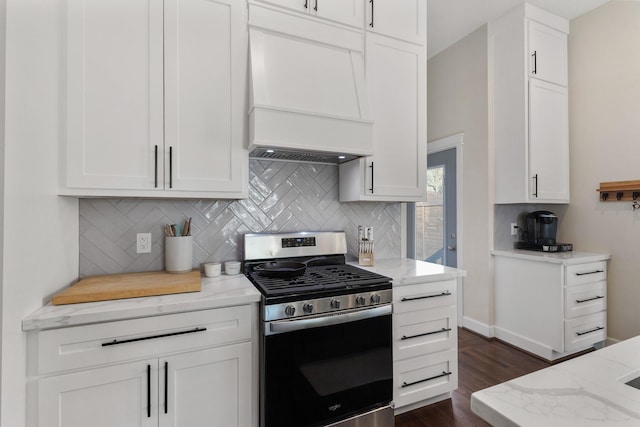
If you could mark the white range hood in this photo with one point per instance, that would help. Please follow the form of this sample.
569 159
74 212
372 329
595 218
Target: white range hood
308 92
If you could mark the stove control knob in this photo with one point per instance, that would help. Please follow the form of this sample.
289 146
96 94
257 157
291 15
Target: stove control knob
290 310
307 307
360 300
375 299
335 303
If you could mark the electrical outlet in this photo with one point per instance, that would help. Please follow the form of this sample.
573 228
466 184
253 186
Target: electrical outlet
514 229
143 243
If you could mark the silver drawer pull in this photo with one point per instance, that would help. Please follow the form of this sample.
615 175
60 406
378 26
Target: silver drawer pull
579 301
590 272
151 337
443 374
439 331
599 328
443 294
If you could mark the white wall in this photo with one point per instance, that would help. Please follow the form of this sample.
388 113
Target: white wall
40 241
604 108
458 102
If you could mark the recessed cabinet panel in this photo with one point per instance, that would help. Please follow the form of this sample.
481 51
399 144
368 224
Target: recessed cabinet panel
210 387
400 19
114 93
548 141
547 53
205 73
123 395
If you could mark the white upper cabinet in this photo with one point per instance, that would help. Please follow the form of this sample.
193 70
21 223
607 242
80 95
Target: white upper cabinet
155 99
348 12
548 133
528 55
547 53
114 85
396 77
400 19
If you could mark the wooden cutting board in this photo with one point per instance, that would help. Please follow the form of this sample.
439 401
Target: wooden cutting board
130 285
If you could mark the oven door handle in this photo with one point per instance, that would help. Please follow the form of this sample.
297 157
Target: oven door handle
282 326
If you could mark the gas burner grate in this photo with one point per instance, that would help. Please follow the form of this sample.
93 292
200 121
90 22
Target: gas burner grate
316 279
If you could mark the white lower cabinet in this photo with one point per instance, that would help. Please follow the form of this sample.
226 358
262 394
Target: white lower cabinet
199 375
550 305
425 344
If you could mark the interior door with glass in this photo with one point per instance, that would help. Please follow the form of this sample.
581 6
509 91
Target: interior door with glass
435 219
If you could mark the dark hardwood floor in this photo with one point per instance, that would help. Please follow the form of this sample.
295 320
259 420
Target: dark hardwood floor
481 364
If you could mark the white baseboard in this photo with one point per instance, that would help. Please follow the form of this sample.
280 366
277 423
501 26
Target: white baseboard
478 327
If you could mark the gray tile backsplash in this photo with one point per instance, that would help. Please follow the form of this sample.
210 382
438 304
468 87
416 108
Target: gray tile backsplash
283 196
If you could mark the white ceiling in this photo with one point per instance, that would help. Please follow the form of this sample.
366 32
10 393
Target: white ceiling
451 20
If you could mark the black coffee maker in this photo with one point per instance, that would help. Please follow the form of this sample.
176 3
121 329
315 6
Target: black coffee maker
540 233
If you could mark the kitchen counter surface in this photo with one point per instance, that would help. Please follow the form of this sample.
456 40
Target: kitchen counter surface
587 391
406 271
216 292
566 258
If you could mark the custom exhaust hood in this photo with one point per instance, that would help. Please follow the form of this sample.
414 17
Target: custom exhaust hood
308 94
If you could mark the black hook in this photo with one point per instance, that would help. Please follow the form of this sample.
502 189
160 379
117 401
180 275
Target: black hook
635 195
604 196
619 195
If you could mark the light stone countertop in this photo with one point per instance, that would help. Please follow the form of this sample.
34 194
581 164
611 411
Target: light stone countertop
406 271
222 291
588 391
566 258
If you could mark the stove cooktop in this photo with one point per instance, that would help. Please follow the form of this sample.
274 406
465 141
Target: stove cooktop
319 280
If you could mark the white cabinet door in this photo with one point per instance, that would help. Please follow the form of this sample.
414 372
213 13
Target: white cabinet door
123 395
401 19
548 142
396 82
205 75
547 53
207 387
348 12
156 99
114 94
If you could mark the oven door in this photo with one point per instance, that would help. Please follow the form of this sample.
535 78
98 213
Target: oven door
320 370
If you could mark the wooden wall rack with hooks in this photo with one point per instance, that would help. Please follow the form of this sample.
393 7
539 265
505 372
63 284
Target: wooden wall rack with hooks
627 191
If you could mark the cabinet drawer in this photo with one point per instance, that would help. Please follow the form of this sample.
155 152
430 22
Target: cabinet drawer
82 346
417 333
424 296
582 332
585 299
424 377
586 273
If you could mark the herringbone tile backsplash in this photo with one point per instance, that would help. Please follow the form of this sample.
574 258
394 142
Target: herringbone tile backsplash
283 197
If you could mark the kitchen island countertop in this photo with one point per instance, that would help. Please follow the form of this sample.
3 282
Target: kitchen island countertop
588 391
222 291
407 271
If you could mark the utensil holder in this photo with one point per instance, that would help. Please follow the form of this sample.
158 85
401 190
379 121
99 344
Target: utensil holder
178 254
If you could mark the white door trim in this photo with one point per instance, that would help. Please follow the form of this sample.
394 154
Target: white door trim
455 141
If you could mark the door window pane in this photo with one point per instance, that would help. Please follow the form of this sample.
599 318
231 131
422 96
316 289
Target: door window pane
430 219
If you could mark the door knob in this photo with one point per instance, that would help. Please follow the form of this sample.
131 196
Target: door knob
451 248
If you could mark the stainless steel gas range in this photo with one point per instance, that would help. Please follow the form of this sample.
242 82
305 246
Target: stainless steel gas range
326 357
